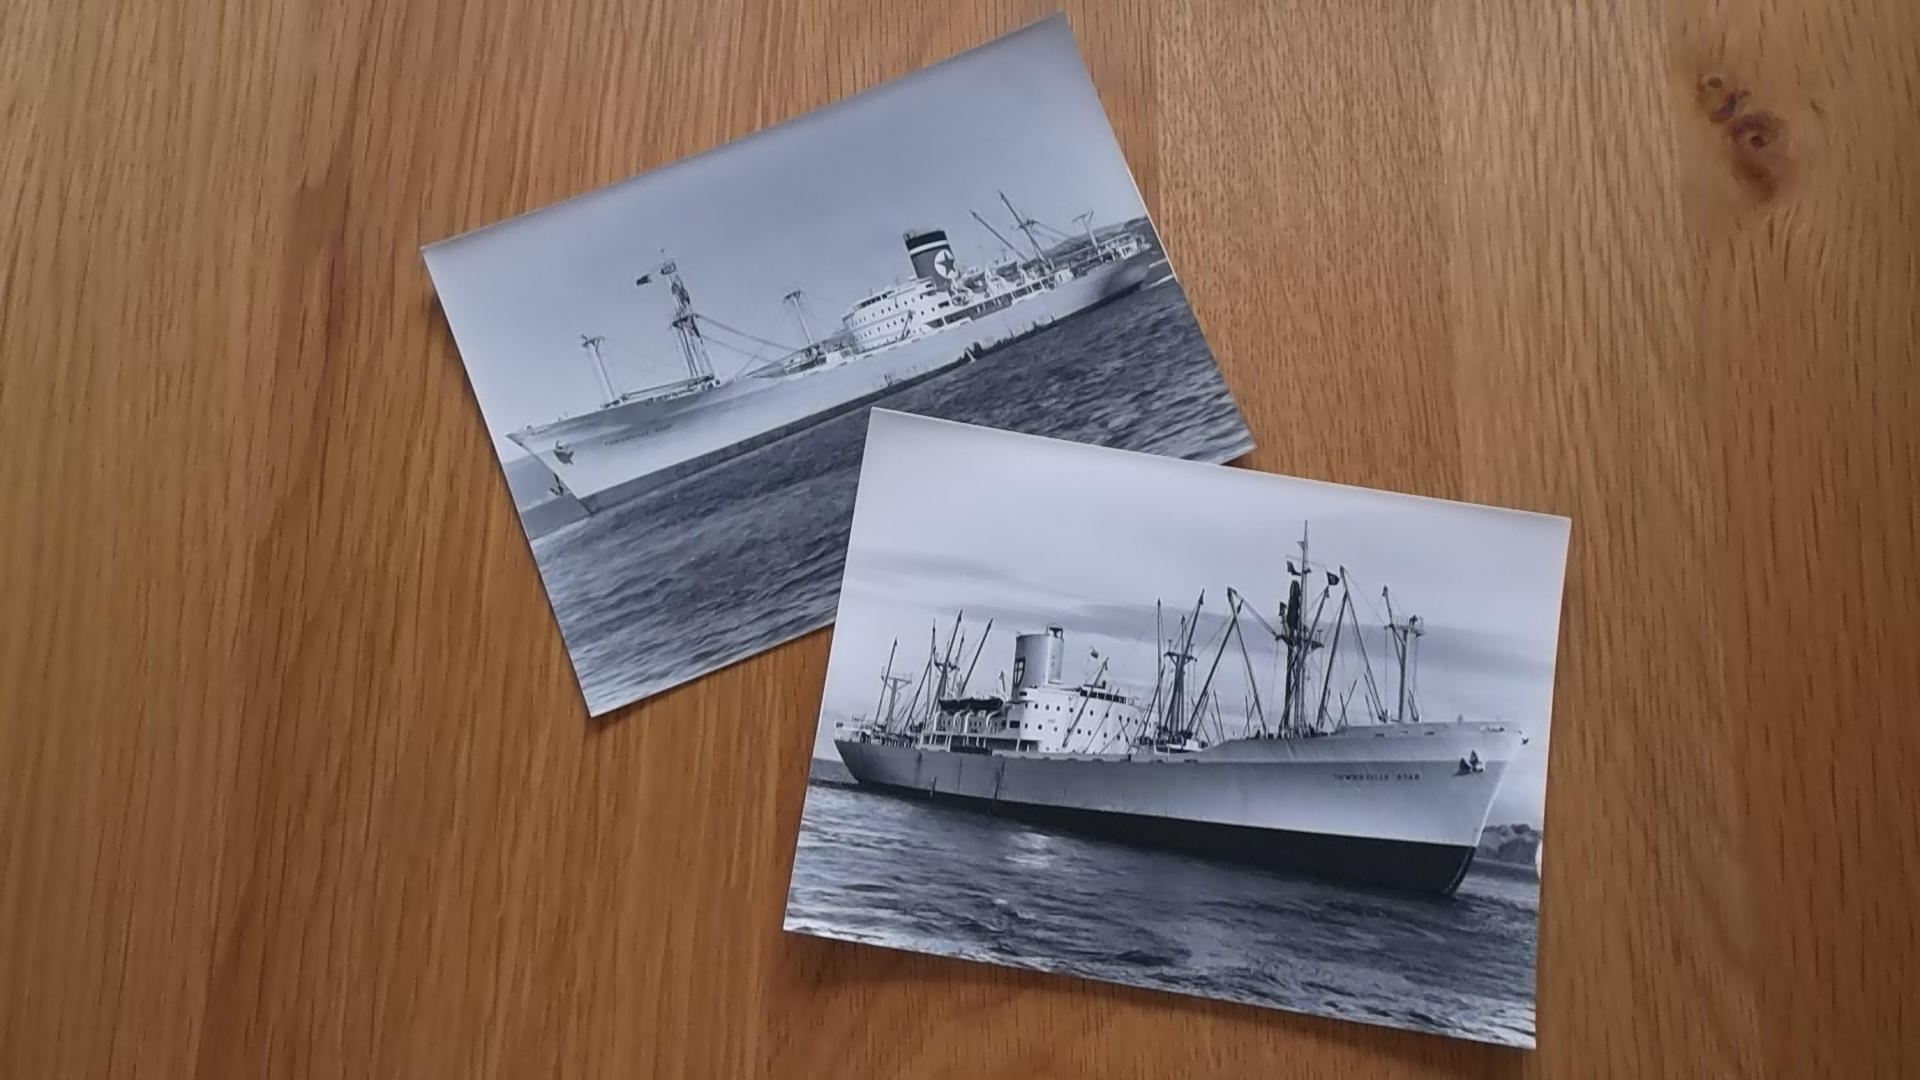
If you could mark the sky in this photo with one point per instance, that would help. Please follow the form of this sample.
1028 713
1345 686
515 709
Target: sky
1031 532
818 204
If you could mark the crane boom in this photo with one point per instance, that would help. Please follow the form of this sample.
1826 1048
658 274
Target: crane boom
1025 225
996 234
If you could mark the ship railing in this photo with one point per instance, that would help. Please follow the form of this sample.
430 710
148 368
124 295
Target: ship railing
669 391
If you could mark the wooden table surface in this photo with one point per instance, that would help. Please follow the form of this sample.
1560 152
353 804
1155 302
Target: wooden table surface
294 780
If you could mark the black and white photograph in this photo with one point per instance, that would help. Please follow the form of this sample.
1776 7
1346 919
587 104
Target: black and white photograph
1188 727
676 370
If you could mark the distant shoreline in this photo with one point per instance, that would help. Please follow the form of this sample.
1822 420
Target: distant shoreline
1496 868
829 773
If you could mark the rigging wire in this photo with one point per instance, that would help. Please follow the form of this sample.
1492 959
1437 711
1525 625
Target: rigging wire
1375 701
1120 730
711 321
632 360
1206 685
1254 708
639 364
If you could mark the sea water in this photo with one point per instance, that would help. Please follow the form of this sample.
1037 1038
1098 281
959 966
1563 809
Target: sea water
910 874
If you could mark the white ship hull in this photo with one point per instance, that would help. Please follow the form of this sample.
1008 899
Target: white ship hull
616 453
1391 806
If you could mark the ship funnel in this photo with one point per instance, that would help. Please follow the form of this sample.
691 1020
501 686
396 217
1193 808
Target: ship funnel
1037 659
932 256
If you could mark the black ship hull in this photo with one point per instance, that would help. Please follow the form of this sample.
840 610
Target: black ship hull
1401 865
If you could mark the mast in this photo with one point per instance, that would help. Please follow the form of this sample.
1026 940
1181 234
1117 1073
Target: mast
1233 607
886 679
1255 710
1175 718
1026 225
895 722
686 326
1406 641
592 345
1333 651
946 664
977 649
1171 717
800 313
1086 222
1159 660
988 225
893 685
1295 641
926 676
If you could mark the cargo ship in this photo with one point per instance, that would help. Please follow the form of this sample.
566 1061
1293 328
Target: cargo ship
944 315
1384 798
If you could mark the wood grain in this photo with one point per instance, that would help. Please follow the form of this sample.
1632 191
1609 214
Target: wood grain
293 779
